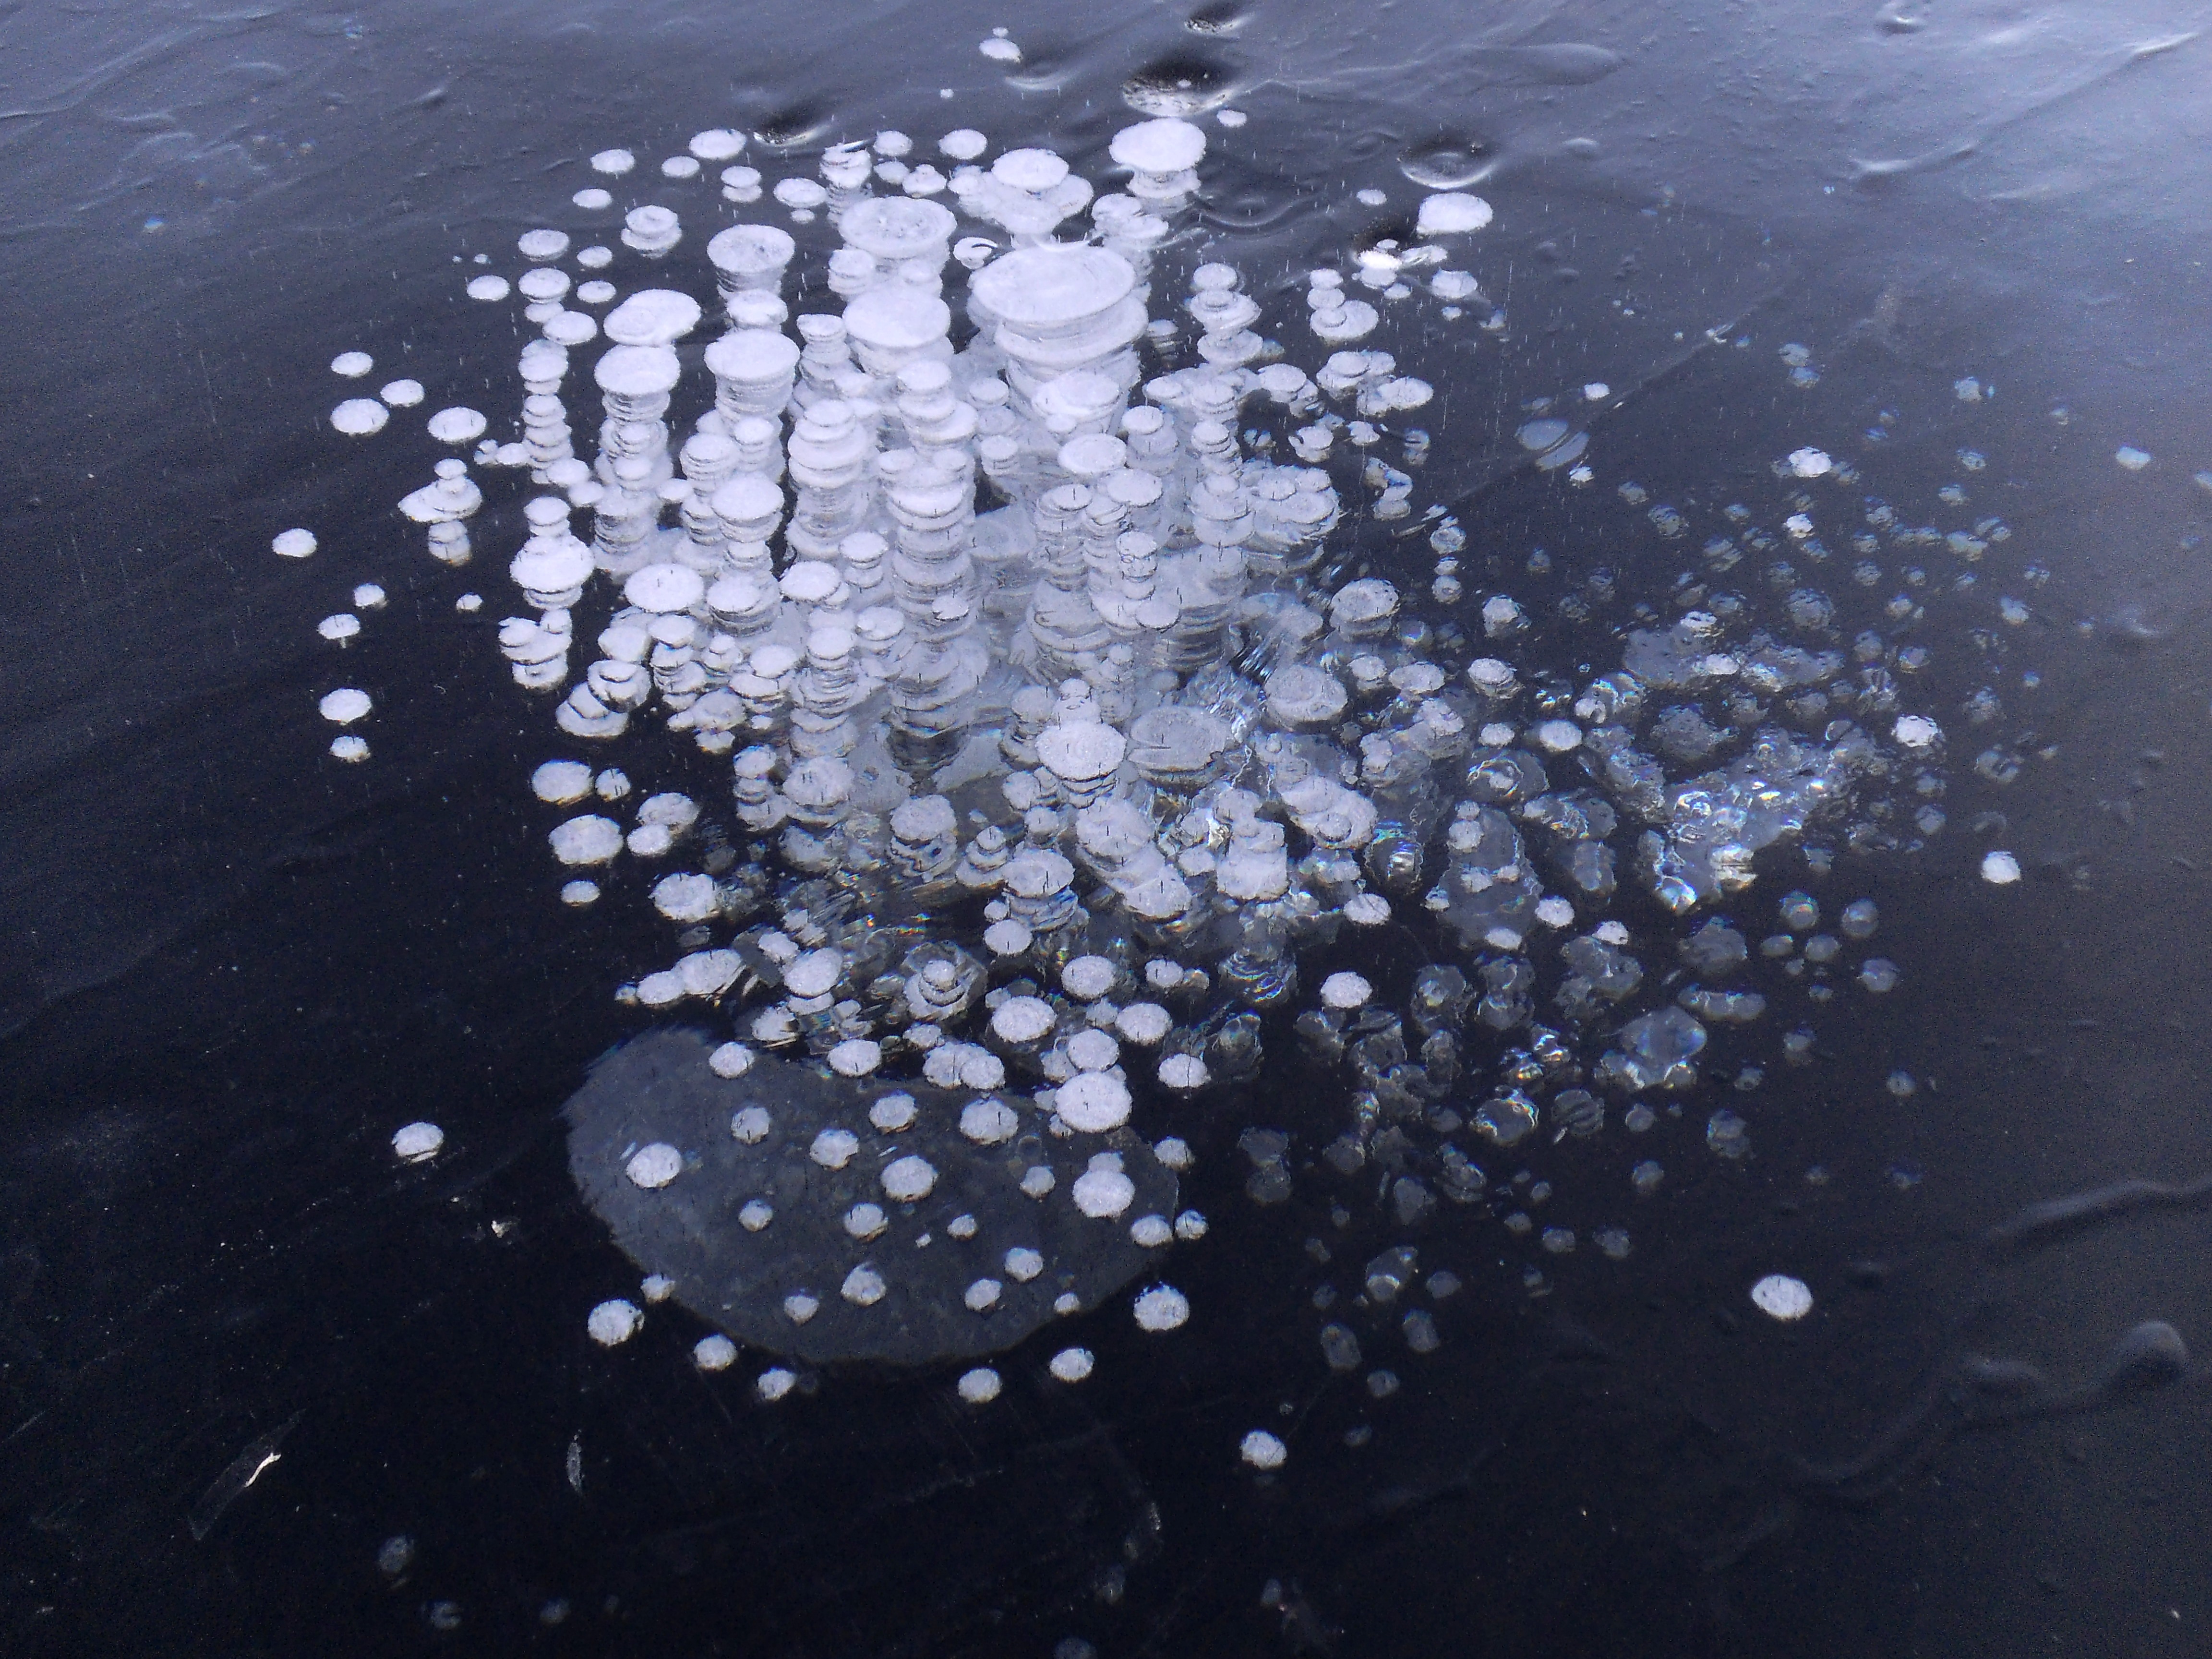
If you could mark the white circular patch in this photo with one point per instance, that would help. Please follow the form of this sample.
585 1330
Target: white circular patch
613 1322
1092 1102
360 417
1103 1194
988 1122
655 1165
908 1180
1262 1450
714 1353
979 1386
1916 731
1780 1296
1162 1308
1344 992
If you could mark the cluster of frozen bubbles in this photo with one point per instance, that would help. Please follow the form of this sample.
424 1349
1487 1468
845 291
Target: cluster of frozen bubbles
1062 763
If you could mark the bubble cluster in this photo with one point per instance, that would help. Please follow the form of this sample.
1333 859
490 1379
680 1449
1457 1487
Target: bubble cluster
1035 738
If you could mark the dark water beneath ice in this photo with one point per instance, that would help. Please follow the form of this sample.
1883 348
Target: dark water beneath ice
231 966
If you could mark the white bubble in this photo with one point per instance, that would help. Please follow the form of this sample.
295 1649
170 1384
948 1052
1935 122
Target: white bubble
294 544
1344 992
1023 1264
2134 459
1809 463
1088 978
580 893
1262 1450
489 288
1183 1072
654 1165
988 1122
592 199
352 364
345 705
732 1060
457 425
360 417
1072 1365
401 394
1362 910
614 1322
1103 1194
680 167
658 1287
558 783
339 628
588 839
613 162
855 1057
833 1149
1000 52
1916 731
863 1287
717 144
1162 1308
962 143
908 1180
774 1383
2002 869
1450 213
1144 1023
350 748
1780 1296
979 1386
417 1142
714 1353
1092 1102
1555 912
369 595
892 1115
